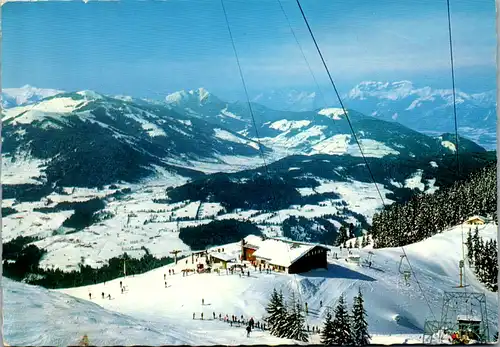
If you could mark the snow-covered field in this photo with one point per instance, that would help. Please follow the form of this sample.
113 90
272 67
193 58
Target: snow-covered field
150 313
136 220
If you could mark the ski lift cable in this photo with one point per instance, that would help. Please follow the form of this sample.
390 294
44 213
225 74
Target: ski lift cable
266 168
359 145
322 95
457 149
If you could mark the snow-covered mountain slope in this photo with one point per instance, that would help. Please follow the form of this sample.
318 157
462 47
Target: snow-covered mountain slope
86 139
392 306
34 316
324 130
421 108
428 110
12 97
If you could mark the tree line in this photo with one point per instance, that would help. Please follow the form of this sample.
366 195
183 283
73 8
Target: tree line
22 259
287 320
424 215
483 256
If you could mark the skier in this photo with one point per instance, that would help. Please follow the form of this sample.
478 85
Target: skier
203 301
165 284
122 291
90 296
251 322
109 296
102 295
193 315
220 316
164 276
321 304
214 314
120 284
202 316
173 272
248 274
248 330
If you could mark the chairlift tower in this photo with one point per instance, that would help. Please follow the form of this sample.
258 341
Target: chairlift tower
464 312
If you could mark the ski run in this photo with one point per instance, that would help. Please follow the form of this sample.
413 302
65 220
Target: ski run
164 306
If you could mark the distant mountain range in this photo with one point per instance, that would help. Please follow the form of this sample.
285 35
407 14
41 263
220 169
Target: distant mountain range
88 139
424 109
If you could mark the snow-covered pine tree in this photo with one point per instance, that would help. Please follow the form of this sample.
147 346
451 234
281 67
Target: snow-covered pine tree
356 243
327 335
297 327
364 241
287 325
341 324
342 236
359 326
470 248
276 313
294 327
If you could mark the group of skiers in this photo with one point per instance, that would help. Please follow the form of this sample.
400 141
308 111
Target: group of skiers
236 321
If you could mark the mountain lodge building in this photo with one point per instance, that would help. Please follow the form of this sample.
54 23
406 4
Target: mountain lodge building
286 256
476 220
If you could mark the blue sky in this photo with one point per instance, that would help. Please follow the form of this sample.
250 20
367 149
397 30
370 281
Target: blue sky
153 48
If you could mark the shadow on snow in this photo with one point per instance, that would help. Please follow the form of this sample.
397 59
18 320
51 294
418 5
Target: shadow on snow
337 271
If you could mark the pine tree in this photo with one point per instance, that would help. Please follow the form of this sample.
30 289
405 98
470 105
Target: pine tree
276 313
342 237
364 241
296 327
356 243
359 326
341 325
470 248
327 333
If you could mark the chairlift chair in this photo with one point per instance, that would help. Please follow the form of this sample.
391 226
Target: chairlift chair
406 273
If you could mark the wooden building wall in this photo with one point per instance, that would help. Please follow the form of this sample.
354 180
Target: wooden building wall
248 254
315 259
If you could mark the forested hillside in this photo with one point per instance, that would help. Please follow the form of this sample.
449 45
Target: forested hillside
425 215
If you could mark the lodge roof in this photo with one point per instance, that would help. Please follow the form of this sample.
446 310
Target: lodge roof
282 253
223 256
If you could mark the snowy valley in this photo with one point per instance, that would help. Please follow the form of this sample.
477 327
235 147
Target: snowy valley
87 178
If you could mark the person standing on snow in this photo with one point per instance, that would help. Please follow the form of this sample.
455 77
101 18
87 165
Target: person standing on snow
90 296
203 301
248 330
